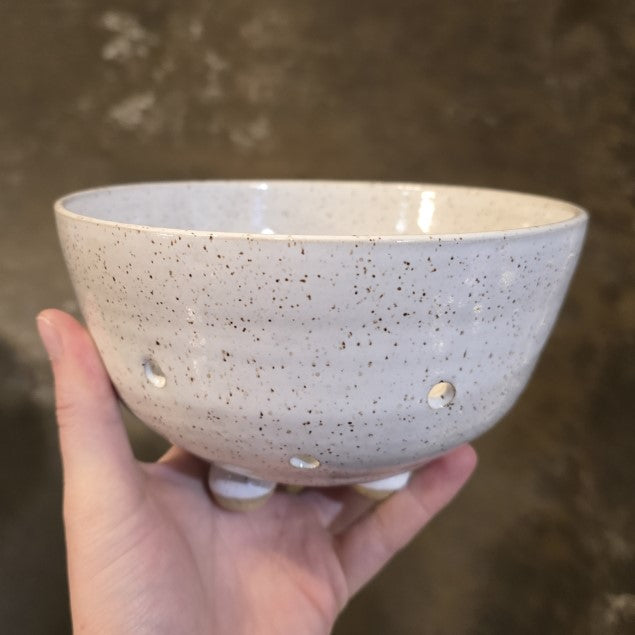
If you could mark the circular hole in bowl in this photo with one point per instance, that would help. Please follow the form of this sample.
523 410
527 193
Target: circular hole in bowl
304 462
153 373
441 394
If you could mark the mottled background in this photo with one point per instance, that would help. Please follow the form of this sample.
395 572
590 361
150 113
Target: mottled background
533 95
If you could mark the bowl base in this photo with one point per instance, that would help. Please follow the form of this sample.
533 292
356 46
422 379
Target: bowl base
237 492
383 488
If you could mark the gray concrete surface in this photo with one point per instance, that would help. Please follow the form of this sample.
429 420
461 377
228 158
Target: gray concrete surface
535 96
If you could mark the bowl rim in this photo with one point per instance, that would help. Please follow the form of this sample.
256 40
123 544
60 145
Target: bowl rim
580 215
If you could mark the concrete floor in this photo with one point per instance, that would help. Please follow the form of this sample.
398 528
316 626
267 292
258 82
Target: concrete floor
533 96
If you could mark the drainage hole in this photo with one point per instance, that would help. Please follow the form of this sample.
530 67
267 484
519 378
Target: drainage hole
304 462
441 395
153 373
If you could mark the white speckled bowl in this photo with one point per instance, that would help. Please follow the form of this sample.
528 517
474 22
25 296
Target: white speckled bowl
318 332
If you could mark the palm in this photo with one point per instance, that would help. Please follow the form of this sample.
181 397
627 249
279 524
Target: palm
279 561
149 552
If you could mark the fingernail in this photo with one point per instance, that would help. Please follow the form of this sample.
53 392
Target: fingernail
50 337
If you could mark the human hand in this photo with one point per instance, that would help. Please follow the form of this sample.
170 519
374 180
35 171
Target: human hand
149 552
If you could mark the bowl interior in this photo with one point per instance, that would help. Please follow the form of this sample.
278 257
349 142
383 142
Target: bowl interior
327 208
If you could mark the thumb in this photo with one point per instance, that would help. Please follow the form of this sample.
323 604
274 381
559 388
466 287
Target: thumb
96 453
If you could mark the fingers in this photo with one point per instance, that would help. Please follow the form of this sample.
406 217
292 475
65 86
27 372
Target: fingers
369 544
337 507
93 441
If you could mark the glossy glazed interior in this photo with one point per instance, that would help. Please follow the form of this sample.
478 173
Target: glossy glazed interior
314 208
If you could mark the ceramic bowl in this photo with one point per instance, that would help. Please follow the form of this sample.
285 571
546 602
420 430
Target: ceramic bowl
318 333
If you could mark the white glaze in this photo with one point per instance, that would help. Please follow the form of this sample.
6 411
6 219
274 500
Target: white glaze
228 485
325 344
388 484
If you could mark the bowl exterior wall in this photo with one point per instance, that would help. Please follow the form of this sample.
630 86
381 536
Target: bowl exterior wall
274 348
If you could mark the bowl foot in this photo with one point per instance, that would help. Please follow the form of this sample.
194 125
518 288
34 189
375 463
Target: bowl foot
383 488
236 492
